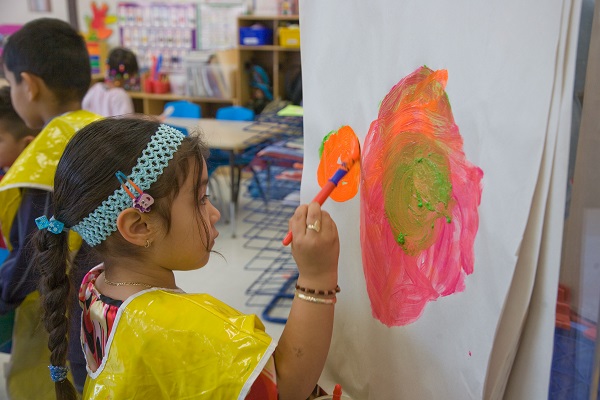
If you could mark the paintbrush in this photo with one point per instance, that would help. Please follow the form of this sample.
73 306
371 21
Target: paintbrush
332 183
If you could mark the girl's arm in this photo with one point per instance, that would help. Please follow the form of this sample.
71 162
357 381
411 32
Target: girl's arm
302 350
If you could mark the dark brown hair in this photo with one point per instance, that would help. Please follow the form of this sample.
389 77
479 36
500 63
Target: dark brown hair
122 61
52 50
84 178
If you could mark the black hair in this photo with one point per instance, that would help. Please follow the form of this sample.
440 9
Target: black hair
84 178
122 61
52 50
10 120
122 68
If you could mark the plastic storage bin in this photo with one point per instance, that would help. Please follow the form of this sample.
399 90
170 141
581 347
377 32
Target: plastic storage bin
256 36
289 36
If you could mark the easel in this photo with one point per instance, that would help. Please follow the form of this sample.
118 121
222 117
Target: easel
586 193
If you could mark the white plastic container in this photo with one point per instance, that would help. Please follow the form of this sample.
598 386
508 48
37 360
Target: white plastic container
178 84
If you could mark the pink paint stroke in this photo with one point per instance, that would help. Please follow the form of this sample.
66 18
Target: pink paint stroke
400 285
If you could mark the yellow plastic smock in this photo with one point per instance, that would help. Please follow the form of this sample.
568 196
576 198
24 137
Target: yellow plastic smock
170 345
28 376
36 165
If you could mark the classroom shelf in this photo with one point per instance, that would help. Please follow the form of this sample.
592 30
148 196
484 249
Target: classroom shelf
268 48
153 103
282 64
288 18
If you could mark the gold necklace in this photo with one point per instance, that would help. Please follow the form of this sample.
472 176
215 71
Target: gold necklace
126 283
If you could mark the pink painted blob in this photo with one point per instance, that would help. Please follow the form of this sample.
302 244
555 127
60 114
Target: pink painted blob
419 200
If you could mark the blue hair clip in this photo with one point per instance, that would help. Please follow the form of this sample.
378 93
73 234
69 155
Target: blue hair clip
53 225
58 373
142 201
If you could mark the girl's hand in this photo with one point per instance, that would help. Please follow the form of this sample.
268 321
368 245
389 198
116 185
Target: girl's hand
304 343
315 246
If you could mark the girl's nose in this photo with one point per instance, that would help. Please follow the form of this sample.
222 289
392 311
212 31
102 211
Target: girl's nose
215 214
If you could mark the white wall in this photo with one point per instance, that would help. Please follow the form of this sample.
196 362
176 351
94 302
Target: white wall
17 12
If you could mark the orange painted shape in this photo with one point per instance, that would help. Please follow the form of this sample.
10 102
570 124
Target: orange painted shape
339 146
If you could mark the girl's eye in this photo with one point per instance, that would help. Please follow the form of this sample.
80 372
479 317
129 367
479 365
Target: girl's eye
204 199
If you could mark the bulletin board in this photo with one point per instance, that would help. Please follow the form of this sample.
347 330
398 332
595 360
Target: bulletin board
510 69
158 29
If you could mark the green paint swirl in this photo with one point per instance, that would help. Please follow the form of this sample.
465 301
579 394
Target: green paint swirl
417 190
325 139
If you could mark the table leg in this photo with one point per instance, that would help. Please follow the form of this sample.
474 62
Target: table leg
234 193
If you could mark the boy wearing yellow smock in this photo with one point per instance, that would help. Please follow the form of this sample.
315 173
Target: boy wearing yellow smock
47 66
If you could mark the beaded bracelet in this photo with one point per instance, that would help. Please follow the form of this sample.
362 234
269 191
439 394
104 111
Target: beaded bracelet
313 299
319 292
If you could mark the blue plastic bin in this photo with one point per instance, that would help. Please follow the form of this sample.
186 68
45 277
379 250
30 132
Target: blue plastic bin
256 36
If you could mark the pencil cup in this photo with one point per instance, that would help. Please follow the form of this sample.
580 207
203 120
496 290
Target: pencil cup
149 86
161 86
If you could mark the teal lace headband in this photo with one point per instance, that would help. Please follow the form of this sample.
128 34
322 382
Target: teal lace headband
101 222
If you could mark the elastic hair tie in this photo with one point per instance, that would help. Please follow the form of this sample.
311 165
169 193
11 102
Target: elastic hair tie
53 225
58 373
101 222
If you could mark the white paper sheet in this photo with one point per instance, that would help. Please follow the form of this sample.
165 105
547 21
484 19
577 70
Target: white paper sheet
501 60
530 374
218 25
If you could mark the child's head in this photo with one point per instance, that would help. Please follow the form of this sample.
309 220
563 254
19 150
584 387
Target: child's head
14 134
86 177
45 60
177 233
122 68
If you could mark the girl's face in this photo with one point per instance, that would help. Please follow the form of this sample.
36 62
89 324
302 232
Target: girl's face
184 247
10 148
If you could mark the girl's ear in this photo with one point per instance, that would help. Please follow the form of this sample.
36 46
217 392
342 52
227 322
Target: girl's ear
32 85
133 226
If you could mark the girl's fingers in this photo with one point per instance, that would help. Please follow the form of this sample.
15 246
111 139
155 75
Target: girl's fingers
297 224
313 219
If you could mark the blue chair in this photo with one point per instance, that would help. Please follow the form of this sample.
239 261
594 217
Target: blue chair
235 113
184 109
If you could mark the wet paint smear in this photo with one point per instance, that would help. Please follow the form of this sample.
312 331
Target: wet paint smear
335 148
419 201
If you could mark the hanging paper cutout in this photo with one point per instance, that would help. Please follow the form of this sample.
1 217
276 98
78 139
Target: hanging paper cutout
419 201
97 23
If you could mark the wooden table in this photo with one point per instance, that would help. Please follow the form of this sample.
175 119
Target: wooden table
230 136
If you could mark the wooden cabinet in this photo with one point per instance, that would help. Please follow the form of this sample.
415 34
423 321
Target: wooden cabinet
281 63
154 104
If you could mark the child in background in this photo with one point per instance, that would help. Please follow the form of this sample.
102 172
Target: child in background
14 137
14 134
109 98
47 66
135 189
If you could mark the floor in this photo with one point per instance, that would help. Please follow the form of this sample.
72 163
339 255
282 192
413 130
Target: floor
249 270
